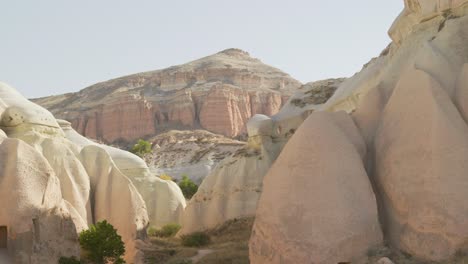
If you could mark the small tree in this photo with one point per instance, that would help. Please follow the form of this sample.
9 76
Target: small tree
188 187
141 148
102 244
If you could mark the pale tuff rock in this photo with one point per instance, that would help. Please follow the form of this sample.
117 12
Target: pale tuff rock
410 110
233 188
313 210
82 197
39 225
218 93
114 198
164 199
421 156
192 153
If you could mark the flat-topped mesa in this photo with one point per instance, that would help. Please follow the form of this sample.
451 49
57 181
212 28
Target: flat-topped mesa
218 93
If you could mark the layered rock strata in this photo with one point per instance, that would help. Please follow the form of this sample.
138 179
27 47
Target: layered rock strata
218 93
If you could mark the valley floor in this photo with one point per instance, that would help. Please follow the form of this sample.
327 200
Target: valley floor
229 244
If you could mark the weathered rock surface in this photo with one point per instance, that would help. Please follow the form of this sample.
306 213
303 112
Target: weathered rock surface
192 153
233 188
409 106
39 225
164 199
218 93
313 210
83 196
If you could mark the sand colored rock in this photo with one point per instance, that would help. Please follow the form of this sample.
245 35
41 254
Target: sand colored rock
233 188
164 199
409 107
192 153
115 198
313 210
39 225
218 93
421 156
78 202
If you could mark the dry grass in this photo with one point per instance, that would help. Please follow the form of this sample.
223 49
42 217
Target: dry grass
229 244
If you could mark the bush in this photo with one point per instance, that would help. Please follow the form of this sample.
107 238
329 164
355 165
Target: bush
188 187
69 260
168 230
141 148
102 244
166 177
196 239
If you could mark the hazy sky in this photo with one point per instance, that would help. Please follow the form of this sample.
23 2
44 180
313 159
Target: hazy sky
57 46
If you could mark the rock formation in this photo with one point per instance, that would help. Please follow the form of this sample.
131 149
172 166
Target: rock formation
59 186
233 188
192 153
39 225
164 199
318 205
218 93
409 108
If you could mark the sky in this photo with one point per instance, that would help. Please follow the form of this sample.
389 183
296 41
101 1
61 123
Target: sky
51 47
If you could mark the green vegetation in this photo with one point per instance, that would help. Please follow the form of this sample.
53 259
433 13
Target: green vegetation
165 177
229 244
102 244
188 187
168 230
141 148
197 239
69 260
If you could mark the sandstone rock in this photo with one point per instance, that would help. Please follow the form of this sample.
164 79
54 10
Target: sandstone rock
421 152
115 198
164 199
81 201
218 93
40 228
233 188
192 153
311 210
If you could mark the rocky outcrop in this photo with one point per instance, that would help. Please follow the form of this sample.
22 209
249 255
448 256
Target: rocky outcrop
40 225
87 191
313 210
218 93
192 153
409 107
164 199
233 188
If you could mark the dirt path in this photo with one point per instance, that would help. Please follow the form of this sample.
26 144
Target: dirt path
201 253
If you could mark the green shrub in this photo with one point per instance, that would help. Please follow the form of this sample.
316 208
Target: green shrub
69 260
196 239
168 230
102 244
141 148
188 187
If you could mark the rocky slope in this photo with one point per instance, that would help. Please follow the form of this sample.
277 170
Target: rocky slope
192 153
405 135
218 93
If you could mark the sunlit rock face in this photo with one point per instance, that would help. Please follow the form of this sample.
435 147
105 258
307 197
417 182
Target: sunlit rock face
218 93
59 187
406 130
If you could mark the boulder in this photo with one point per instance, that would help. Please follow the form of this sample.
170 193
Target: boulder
313 209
